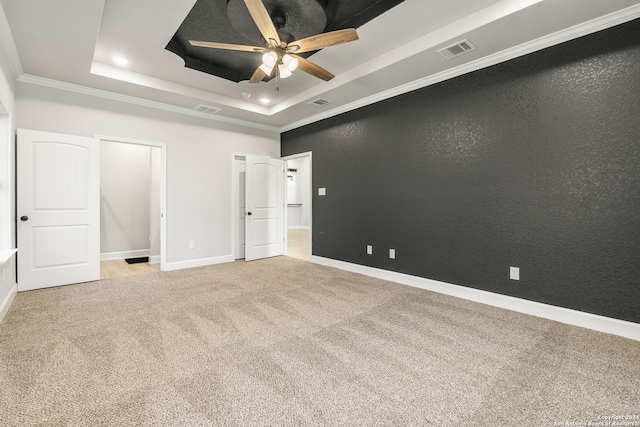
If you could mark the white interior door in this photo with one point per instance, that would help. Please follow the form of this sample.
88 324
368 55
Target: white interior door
58 209
264 198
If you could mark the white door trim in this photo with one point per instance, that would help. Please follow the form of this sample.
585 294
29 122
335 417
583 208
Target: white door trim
163 188
235 159
286 238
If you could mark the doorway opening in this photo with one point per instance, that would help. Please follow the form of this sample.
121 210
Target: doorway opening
299 205
132 206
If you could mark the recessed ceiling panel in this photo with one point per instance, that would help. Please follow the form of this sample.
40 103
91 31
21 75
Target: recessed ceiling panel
229 21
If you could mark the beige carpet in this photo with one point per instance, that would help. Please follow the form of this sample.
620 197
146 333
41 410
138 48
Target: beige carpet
282 342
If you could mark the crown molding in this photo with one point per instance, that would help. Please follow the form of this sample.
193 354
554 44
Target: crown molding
9 45
601 23
139 79
580 30
99 93
418 46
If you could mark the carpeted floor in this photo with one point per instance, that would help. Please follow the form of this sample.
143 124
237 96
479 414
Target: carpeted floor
283 342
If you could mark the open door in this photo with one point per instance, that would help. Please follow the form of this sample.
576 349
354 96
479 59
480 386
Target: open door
264 198
58 209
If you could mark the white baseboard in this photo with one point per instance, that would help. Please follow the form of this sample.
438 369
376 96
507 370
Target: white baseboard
124 254
171 266
564 315
154 259
298 227
5 305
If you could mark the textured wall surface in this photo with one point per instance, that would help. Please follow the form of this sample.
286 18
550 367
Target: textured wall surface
533 163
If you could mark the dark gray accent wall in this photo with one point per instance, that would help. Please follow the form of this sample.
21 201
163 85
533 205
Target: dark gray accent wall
533 163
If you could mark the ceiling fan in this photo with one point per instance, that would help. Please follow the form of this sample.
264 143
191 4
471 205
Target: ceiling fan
279 54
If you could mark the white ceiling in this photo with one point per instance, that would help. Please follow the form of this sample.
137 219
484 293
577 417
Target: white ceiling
70 44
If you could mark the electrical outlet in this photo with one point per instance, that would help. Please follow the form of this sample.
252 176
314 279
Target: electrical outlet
392 253
322 191
192 244
369 250
514 273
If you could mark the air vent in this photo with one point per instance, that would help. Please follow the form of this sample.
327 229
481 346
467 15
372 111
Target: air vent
457 49
206 109
319 102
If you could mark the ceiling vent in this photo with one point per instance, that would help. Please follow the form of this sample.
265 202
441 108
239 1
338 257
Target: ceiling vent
206 109
319 102
457 49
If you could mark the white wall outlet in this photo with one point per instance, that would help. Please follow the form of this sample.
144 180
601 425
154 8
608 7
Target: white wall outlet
322 191
192 244
369 250
514 273
392 253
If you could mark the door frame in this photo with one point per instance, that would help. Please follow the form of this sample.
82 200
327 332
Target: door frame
236 158
308 154
163 187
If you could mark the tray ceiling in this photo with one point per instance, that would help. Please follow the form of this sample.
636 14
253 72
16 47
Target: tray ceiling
229 21
70 45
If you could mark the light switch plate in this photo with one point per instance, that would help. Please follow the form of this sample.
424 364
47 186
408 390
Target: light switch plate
322 191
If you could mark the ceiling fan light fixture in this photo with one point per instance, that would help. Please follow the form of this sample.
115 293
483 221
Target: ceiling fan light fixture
283 71
279 45
290 62
266 69
270 59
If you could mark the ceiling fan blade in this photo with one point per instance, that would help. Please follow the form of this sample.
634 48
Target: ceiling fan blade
263 21
313 69
323 40
227 46
257 76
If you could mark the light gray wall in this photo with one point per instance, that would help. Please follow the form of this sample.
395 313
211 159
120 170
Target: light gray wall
199 160
125 198
7 171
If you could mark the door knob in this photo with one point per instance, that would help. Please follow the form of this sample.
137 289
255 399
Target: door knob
24 218
248 213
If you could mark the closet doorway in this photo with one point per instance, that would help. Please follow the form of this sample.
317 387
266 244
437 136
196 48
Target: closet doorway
299 205
132 223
